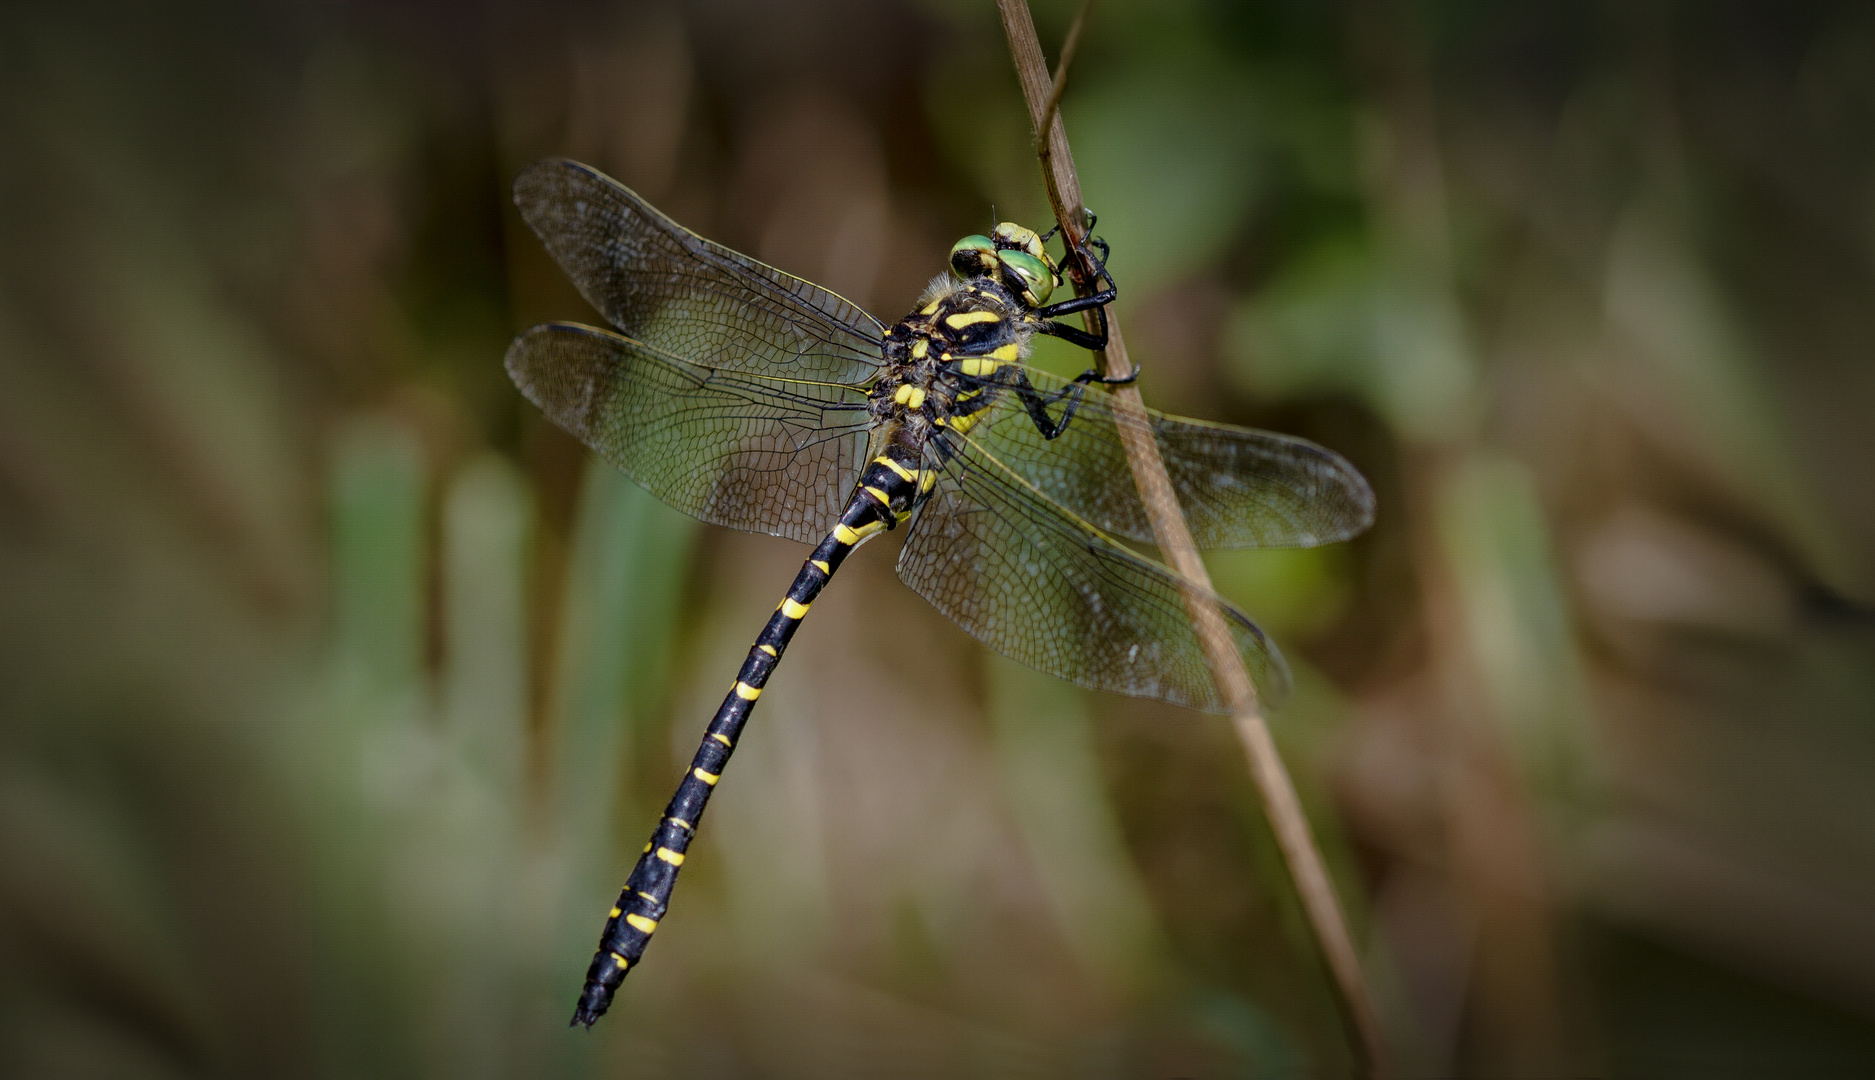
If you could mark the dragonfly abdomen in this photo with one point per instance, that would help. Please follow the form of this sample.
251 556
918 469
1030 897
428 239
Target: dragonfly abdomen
888 489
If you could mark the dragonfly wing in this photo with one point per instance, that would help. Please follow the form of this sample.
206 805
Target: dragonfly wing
1041 586
751 452
1239 487
665 286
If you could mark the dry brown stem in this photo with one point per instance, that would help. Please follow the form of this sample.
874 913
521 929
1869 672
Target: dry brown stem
1174 539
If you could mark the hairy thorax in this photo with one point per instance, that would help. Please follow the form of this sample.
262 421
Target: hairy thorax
946 360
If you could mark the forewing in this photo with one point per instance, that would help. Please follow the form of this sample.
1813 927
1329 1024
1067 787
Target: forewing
1239 487
1035 583
693 299
751 452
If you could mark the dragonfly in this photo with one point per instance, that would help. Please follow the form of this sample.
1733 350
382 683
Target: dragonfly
753 399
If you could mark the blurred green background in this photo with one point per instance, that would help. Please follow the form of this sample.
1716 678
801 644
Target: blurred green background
339 690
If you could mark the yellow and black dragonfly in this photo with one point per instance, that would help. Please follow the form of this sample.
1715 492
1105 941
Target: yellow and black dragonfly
752 399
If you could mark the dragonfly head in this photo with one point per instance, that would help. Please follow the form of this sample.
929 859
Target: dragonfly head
1010 236
1015 255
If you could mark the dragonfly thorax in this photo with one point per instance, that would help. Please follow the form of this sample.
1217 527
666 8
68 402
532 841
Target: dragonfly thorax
943 360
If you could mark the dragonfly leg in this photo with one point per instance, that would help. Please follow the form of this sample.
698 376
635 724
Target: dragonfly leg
1093 375
1096 301
1092 220
1074 336
1080 303
1036 403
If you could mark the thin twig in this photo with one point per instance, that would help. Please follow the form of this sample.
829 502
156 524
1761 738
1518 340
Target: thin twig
1047 122
1174 539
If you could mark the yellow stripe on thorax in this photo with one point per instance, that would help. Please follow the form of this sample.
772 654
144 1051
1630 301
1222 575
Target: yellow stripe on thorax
983 366
971 318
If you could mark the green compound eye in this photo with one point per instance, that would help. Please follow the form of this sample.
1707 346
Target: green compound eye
1030 274
973 256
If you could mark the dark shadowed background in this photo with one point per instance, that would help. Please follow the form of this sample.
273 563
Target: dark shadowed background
338 689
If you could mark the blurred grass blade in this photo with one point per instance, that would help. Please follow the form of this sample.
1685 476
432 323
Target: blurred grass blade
485 544
377 551
1053 784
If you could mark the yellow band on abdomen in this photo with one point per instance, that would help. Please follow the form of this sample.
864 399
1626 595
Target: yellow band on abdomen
903 473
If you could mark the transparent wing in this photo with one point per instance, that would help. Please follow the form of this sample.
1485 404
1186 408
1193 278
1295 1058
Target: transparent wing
752 452
1039 585
1239 488
693 299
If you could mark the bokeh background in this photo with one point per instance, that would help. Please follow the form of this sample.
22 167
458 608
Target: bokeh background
338 690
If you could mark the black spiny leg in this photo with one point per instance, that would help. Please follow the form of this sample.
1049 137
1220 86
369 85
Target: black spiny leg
1074 335
1036 403
1097 301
